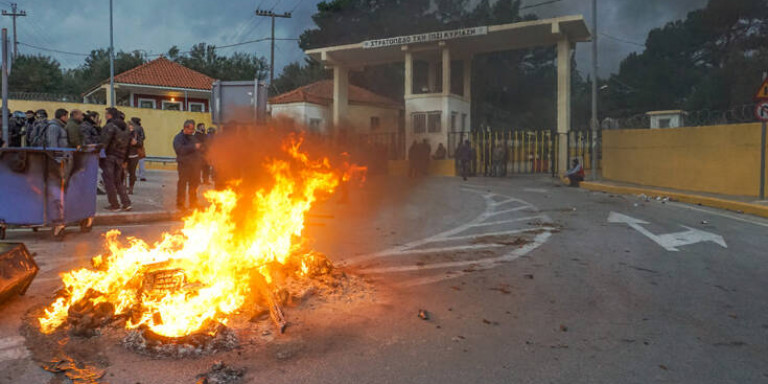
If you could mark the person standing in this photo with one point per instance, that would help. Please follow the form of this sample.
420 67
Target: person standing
53 134
464 157
26 139
208 175
15 130
34 138
188 163
201 137
74 134
89 130
116 139
413 154
135 150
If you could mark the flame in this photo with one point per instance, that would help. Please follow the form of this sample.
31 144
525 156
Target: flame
219 254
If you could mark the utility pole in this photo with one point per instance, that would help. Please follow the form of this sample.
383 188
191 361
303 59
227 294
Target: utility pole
594 122
111 59
5 86
273 15
14 14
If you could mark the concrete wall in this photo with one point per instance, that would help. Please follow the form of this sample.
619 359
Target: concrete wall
159 126
302 113
715 159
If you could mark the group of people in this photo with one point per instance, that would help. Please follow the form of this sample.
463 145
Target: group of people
191 146
419 155
121 144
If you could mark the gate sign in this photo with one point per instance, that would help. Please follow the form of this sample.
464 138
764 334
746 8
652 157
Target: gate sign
762 93
761 111
427 37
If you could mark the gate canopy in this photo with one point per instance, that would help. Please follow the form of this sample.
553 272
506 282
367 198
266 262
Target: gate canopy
465 42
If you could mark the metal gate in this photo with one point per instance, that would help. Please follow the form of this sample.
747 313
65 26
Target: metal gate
504 153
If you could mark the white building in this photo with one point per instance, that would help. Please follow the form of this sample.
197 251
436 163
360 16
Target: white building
667 119
369 114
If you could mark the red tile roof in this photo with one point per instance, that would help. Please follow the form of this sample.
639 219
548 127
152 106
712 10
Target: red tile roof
162 72
321 93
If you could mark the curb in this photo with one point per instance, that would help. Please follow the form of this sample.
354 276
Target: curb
736 206
135 218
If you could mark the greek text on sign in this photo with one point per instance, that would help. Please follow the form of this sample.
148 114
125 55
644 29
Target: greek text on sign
426 37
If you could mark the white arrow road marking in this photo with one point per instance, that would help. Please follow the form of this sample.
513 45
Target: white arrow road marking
12 348
669 241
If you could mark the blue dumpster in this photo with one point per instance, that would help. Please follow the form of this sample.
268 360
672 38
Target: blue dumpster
52 187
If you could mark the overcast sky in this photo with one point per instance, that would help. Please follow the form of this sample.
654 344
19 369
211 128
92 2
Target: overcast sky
155 25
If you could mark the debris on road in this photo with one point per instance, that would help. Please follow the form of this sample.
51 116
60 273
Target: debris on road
563 328
528 276
77 372
220 373
423 314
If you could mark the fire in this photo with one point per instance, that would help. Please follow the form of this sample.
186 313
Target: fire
225 261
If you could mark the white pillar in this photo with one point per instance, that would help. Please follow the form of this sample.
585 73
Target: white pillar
446 71
563 100
109 94
468 78
408 74
432 76
340 95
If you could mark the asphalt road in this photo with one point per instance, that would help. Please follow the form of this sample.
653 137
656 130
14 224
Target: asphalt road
525 281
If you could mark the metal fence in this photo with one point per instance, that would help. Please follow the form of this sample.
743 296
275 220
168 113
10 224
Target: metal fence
513 152
735 115
40 96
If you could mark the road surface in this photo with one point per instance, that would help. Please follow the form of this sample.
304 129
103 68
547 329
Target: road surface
524 280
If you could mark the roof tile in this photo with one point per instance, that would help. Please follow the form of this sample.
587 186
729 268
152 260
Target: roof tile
321 93
165 73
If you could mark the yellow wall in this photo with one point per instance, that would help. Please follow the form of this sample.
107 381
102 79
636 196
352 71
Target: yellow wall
436 167
160 126
716 159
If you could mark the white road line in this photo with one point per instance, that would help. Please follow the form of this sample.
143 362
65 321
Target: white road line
754 221
517 209
500 233
539 217
479 264
438 250
12 348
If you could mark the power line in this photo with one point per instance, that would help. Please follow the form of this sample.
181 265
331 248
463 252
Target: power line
614 38
272 15
53 50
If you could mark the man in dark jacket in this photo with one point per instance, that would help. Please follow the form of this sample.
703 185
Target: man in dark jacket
14 131
53 135
115 138
464 158
34 138
188 163
74 135
88 129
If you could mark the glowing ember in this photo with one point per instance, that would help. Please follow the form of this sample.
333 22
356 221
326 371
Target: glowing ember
228 261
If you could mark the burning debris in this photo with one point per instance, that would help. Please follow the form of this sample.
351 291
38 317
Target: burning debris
216 339
177 297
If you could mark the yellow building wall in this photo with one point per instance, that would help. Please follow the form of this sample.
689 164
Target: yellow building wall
436 167
159 126
721 159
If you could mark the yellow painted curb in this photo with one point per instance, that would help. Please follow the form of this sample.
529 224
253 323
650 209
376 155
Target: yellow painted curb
736 206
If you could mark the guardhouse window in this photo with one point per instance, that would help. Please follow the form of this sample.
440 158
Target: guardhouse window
419 122
375 123
434 122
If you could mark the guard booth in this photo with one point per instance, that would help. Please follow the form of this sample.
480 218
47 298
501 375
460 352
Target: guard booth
438 89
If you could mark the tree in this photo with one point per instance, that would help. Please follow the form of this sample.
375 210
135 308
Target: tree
296 75
204 59
711 60
36 74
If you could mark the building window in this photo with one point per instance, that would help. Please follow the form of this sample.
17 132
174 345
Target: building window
172 105
314 125
665 123
463 122
375 123
419 122
196 107
147 103
433 122
454 116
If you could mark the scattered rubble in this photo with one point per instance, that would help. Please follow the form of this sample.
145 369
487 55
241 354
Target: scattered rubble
220 373
199 344
423 314
77 372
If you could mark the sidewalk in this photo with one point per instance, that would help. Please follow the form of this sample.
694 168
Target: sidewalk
740 204
152 200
